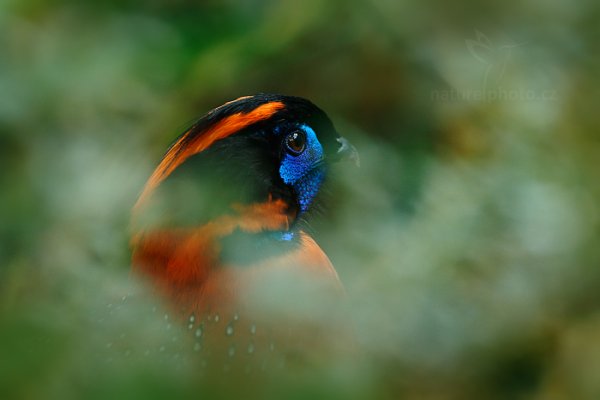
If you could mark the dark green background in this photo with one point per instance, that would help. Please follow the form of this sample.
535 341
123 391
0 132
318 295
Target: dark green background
467 240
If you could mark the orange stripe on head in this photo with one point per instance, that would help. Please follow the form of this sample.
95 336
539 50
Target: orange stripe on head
186 147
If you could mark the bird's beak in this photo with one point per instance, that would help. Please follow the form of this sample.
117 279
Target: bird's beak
347 151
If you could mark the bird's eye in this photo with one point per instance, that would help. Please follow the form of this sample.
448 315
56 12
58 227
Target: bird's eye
295 142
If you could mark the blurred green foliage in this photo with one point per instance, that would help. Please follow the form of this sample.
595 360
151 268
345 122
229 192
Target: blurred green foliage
468 239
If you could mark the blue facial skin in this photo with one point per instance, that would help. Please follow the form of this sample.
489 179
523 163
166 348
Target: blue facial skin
302 171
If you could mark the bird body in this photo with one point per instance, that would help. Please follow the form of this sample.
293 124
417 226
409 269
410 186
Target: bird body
219 227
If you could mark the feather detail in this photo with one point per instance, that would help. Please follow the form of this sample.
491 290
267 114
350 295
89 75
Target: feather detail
191 143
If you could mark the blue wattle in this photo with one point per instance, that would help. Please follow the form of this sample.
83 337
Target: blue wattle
308 187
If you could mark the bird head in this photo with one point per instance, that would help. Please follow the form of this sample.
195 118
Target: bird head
265 149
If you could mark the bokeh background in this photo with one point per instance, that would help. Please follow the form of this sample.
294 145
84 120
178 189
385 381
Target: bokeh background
468 240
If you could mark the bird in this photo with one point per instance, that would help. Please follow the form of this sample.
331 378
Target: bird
221 229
